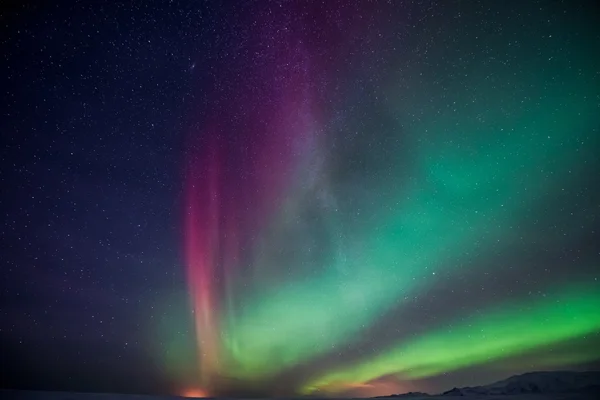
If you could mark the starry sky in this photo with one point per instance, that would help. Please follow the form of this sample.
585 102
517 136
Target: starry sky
288 198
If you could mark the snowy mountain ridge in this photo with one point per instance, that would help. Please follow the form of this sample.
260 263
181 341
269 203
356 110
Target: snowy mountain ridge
542 382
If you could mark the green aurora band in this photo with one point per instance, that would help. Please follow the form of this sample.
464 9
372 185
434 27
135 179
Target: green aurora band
511 329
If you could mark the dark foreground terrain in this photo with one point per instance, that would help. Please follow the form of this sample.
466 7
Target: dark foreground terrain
552 385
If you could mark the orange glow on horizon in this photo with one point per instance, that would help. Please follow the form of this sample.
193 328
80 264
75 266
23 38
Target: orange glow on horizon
193 393
377 387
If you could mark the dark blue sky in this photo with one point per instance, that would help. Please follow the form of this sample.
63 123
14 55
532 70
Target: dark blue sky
95 98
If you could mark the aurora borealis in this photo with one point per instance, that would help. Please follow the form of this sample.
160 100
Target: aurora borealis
290 198
337 194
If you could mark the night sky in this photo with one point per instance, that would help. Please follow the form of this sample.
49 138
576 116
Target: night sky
277 198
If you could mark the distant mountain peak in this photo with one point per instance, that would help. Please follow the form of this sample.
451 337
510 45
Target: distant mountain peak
537 382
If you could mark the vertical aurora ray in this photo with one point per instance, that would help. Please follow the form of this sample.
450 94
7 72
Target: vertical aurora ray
330 193
238 172
201 232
